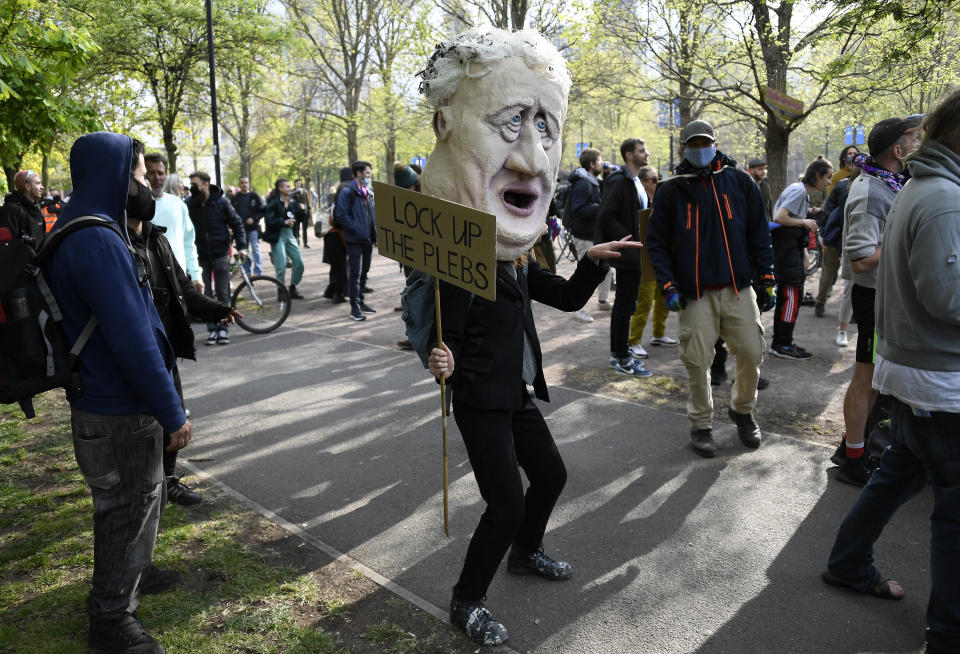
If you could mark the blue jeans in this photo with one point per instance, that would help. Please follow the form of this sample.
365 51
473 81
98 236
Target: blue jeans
120 457
253 245
921 449
358 255
286 246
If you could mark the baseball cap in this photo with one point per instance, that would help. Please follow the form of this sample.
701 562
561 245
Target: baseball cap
697 128
756 162
889 130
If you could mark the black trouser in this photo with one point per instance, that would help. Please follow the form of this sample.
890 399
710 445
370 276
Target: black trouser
170 458
786 313
305 226
335 254
358 258
719 365
624 304
497 442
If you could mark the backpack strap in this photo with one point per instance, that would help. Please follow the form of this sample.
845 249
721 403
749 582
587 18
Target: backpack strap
53 240
84 336
48 246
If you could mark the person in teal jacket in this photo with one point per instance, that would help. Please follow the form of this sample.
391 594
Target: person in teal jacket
283 212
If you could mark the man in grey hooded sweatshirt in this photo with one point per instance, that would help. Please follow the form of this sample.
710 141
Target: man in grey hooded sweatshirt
918 363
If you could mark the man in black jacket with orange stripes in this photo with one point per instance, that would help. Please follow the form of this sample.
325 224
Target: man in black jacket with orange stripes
709 242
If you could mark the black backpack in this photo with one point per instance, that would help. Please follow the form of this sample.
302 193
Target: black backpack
562 200
34 355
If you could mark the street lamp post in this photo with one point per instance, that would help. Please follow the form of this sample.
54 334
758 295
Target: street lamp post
213 94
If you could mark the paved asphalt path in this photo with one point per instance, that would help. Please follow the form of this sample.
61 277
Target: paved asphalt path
326 423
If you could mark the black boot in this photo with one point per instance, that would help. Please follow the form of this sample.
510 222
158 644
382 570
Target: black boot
154 580
294 295
474 618
124 636
539 564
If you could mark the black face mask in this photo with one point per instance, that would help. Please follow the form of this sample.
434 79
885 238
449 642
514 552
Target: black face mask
194 190
141 206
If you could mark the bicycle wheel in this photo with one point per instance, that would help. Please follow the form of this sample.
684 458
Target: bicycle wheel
816 259
264 303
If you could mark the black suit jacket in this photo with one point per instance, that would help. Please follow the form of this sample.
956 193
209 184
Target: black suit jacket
486 338
617 217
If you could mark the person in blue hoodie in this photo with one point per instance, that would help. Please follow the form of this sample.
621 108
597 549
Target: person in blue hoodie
128 399
354 213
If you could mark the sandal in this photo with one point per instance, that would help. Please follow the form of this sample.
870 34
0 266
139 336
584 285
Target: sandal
882 589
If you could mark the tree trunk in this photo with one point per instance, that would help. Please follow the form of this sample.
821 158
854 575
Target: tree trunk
245 161
45 171
11 172
390 146
778 140
170 145
243 143
352 153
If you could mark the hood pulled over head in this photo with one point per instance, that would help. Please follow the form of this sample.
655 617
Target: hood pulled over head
100 166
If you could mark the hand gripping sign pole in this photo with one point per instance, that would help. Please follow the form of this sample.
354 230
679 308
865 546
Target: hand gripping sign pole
449 241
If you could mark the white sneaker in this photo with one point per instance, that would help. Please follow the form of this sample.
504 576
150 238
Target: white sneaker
841 338
605 305
582 316
637 351
664 340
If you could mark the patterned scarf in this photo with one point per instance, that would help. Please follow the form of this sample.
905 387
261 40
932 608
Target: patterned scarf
870 166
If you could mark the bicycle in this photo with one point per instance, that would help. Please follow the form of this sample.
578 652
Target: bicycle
814 256
264 301
567 248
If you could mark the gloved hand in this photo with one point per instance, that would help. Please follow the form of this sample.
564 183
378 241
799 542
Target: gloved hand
766 293
673 298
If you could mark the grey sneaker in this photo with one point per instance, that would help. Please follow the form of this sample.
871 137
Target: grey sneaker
701 440
474 618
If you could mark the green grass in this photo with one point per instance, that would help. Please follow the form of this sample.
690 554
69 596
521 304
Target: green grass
394 638
242 593
234 600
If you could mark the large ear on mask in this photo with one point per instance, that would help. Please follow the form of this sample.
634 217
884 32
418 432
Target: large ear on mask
442 122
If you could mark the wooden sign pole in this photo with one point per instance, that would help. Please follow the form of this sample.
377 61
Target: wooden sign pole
450 242
443 406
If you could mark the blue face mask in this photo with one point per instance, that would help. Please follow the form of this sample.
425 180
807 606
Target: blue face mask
368 182
700 157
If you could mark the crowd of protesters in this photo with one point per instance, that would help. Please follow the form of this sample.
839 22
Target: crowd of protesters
718 250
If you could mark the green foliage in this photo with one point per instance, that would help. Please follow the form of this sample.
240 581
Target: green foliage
41 57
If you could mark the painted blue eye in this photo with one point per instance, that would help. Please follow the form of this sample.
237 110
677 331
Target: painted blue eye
515 120
542 125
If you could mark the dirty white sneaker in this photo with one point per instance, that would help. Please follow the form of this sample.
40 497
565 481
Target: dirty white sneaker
664 340
582 316
841 338
637 351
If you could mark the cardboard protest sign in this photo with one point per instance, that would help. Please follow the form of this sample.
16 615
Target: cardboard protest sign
447 240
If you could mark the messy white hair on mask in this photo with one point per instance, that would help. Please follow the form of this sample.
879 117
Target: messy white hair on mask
471 53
